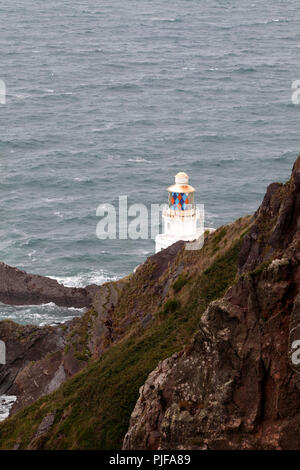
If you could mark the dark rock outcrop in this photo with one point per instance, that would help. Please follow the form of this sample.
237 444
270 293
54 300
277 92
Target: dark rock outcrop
40 359
162 259
25 344
20 288
36 360
276 228
235 386
36 363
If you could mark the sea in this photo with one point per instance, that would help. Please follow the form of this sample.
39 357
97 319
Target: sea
111 98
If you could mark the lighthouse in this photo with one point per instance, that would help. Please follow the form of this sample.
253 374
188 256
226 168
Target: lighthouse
181 220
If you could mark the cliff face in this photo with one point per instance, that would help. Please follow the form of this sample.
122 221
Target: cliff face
37 361
234 386
213 328
133 324
23 375
40 359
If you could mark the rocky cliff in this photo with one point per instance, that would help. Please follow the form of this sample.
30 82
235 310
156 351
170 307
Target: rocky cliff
213 328
40 359
234 386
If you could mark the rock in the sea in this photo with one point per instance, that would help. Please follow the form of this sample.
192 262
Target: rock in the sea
20 288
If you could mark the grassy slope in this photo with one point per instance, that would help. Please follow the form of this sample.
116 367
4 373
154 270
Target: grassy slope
93 408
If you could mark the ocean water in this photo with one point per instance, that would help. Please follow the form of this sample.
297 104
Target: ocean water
114 98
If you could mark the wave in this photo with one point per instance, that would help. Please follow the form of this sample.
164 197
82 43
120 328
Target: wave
41 315
166 20
107 126
59 215
84 279
139 160
49 306
19 96
252 24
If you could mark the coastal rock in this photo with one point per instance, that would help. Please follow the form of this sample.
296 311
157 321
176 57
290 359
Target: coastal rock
25 344
40 359
43 428
233 387
276 227
20 288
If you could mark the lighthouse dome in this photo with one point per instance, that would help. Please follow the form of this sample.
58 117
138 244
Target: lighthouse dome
181 184
181 178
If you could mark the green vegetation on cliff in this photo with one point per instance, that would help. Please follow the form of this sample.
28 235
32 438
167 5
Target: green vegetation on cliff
93 408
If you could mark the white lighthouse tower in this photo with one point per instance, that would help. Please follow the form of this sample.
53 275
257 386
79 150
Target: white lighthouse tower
181 219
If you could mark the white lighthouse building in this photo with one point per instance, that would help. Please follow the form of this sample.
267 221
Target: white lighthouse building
181 220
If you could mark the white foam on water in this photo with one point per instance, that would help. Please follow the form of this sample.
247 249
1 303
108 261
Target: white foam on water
50 313
84 279
6 402
80 179
171 20
19 96
44 314
138 160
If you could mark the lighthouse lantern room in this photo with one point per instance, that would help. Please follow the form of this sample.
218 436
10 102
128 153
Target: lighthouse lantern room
181 219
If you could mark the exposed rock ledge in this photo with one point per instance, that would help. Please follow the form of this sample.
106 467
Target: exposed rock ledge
40 359
20 288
